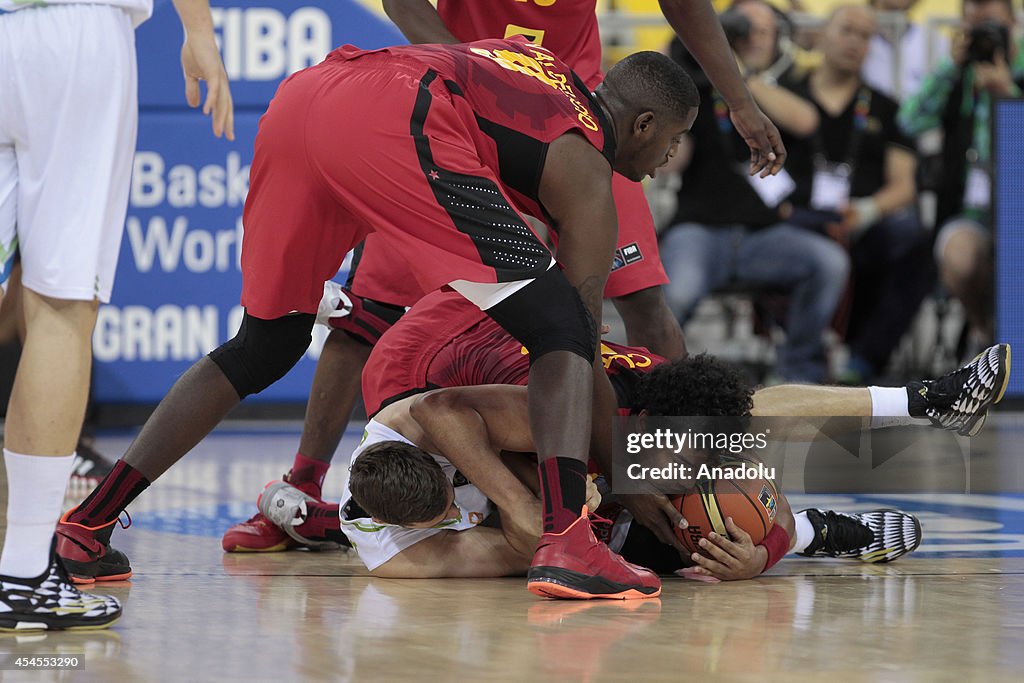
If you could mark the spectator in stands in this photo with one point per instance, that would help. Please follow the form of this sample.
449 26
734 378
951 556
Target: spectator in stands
855 181
897 63
762 32
986 61
727 230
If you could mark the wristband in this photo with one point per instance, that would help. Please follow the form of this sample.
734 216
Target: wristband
777 545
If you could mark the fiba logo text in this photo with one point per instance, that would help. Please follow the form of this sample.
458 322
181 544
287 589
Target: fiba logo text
266 44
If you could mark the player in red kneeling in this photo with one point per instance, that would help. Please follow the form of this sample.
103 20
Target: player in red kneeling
379 291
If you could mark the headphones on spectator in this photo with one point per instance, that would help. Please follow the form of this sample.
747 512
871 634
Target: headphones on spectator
736 26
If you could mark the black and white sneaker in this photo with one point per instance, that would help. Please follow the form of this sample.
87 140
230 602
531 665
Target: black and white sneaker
876 536
960 400
51 602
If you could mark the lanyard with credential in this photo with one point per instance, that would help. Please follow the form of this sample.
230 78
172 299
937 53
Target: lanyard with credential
772 189
861 108
725 129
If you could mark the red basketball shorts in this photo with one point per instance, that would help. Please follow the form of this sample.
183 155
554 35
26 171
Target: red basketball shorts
373 144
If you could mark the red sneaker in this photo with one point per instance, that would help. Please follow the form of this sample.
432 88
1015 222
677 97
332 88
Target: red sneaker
575 565
87 554
259 535
256 535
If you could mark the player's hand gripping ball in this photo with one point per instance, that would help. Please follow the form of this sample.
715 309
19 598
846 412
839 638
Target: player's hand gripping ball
751 503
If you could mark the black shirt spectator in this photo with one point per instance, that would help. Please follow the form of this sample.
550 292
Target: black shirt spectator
836 137
855 181
715 190
725 235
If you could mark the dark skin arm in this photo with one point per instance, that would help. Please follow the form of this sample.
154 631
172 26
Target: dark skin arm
576 191
656 512
697 25
418 21
587 230
650 323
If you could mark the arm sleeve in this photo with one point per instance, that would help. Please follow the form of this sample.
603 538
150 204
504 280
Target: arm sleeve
923 111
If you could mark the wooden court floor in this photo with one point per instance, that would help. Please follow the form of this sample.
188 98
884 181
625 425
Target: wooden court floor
953 611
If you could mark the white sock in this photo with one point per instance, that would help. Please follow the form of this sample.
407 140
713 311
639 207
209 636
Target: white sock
890 407
35 494
804 532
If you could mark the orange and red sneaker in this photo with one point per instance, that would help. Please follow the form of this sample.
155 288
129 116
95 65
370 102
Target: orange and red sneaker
86 552
573 564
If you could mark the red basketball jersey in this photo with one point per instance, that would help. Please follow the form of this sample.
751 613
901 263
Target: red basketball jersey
514 98
566 27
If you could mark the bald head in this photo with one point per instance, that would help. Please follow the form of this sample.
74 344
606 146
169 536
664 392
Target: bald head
850 12
846 36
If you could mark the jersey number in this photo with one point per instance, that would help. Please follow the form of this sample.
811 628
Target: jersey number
534 35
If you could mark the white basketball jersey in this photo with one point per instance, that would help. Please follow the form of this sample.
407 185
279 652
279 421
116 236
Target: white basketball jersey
377 543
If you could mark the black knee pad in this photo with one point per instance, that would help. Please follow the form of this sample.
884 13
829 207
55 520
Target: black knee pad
548 315
263 351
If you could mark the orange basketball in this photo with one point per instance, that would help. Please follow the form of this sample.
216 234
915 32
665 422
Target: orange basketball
750 502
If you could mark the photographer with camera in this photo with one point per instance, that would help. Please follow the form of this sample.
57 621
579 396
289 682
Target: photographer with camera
986 62
727 231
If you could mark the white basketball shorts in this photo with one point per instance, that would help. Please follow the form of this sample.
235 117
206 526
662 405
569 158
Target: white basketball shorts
68 121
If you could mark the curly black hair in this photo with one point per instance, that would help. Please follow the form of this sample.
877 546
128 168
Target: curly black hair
698 386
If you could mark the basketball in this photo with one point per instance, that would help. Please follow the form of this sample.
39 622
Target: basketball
750 502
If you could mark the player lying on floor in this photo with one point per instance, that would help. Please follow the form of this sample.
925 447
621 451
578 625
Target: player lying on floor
444 342
430 470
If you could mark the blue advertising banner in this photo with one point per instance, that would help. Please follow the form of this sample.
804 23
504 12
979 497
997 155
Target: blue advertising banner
262 41
178 279
1009 230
